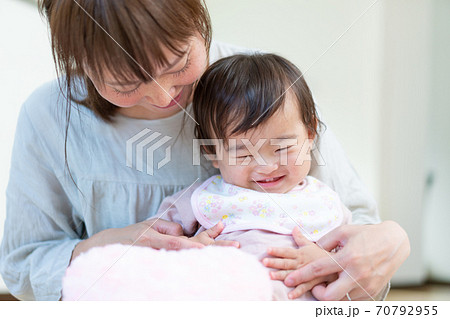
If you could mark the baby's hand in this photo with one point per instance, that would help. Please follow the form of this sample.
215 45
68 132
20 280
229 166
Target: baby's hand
208 236
289 259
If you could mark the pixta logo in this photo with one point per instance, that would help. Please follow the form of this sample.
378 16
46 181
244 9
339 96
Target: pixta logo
146 147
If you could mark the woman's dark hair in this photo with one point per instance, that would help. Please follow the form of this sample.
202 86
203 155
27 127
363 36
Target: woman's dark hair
124 38
240 92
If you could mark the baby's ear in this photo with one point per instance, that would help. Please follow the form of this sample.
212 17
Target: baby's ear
311 135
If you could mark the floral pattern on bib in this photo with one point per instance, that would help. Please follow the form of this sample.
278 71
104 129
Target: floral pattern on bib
312 206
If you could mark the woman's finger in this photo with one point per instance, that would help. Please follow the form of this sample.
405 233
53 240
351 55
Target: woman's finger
304 287
161 241
279 275
317 290
164 226
280 263
336 290
227 243
349 296
282 252
335 238
321 267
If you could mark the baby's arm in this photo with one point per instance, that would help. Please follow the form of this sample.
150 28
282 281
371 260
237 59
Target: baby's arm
290 259
178 209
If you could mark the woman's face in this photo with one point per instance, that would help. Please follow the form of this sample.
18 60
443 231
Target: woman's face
172 86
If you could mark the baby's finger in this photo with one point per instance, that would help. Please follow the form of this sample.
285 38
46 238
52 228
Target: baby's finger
279 275
280 263
282 252
215 231
231 243
300 240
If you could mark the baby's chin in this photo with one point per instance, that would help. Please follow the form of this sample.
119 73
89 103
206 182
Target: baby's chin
283 187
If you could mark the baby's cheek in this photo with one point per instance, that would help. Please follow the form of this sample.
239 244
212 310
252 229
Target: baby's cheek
238 175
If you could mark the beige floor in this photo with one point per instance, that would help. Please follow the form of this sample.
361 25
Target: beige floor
435 292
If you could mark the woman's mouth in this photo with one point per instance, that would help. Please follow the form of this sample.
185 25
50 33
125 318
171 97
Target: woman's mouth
174 101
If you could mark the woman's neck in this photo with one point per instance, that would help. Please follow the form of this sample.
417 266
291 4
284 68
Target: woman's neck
141 112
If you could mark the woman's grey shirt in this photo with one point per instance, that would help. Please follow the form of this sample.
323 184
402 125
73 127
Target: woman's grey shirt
122 171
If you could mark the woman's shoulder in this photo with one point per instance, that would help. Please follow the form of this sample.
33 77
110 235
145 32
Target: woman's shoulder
43 97
48 105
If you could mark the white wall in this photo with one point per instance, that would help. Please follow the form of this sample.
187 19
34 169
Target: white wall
377 89
437 200
381 88
344 78
405 106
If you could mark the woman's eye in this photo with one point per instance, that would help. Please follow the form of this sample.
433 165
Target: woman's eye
184 69
126 93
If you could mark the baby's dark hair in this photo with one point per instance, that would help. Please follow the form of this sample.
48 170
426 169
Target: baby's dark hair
241 92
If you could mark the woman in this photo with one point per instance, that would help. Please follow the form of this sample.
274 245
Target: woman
130 66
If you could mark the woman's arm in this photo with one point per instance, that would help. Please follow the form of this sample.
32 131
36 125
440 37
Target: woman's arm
287 259
178 209
368 258
155 233
371 254
167 229
43 228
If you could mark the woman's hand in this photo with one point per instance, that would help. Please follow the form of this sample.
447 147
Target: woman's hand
208 237
368 257
154 233
289 259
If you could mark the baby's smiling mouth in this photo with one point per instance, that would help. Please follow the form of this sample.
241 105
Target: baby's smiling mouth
270 180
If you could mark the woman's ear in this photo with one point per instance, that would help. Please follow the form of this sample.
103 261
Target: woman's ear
215 163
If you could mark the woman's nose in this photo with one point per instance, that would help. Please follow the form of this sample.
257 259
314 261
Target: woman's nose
160 93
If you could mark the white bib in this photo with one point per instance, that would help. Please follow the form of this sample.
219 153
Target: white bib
312 206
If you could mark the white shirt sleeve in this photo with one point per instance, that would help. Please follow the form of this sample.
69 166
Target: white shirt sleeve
331 166
40 230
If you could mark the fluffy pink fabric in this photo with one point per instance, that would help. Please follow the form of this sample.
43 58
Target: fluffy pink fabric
119 272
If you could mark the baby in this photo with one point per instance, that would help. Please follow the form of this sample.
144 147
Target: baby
258 121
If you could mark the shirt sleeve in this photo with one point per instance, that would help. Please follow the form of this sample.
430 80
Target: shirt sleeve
40 230
177 208
331 166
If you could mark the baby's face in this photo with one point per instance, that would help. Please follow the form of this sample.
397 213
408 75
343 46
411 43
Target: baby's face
274 157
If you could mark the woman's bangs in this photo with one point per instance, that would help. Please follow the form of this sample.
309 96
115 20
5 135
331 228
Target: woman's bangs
129 49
